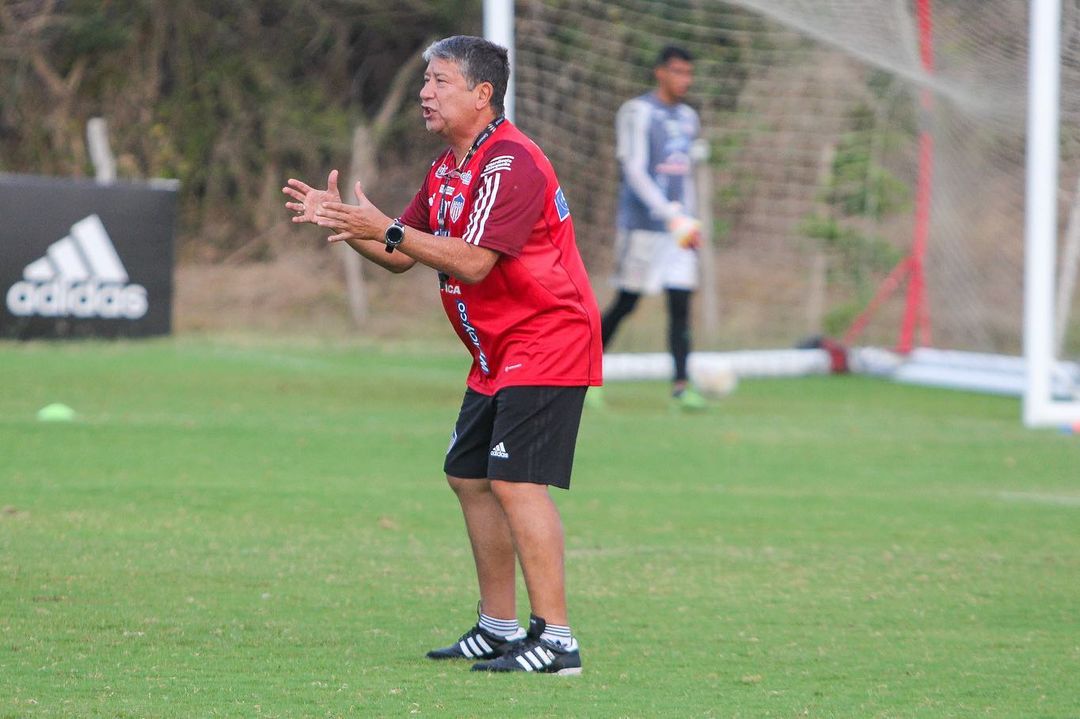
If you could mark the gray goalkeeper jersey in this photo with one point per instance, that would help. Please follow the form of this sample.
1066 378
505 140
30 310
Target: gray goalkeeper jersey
653 148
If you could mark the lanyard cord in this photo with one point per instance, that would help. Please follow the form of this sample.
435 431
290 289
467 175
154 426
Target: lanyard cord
444 202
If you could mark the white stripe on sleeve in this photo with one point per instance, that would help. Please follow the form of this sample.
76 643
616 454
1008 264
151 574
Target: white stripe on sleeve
482 209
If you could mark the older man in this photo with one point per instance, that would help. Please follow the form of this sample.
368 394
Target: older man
491 219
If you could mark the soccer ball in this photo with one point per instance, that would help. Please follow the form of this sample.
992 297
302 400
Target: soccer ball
716 381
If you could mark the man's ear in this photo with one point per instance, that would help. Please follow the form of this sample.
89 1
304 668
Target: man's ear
483 95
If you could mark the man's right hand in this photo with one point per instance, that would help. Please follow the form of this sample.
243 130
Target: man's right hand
308 199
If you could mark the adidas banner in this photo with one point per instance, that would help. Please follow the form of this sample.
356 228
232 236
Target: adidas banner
79 259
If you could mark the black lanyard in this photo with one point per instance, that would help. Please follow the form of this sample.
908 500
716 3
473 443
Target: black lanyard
444 201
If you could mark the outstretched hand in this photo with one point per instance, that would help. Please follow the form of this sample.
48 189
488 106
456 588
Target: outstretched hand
307 199
687 231
362 221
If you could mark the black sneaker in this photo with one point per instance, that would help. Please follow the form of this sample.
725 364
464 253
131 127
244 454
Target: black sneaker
478 644
536 655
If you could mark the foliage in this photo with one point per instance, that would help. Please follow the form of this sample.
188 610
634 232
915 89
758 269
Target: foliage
859 255
228 96
862 191
857 259
859 185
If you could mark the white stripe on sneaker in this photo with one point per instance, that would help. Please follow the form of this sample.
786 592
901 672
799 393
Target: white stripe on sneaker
524 663
484 646
465 648
535 658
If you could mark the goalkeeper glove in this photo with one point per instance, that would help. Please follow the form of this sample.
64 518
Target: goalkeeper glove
686 230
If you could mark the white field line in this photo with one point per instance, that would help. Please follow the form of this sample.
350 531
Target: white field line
1062 500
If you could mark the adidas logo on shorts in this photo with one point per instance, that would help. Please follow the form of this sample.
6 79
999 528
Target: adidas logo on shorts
499 451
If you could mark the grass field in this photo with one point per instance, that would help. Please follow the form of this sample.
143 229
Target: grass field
260 529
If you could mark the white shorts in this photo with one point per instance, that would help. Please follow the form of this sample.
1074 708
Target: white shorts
647 262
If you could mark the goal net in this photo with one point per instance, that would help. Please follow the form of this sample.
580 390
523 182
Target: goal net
813 110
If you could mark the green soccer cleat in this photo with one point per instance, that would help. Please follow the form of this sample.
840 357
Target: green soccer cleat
688 400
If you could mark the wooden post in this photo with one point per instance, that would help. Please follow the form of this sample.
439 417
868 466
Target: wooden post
819 261
101 154
362 167
709 302
367 136
1066 284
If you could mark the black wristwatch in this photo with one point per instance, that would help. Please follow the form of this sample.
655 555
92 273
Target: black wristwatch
394 235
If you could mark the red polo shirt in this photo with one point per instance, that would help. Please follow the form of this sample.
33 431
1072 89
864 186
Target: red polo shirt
533 320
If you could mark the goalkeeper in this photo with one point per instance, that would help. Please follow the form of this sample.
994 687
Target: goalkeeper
657 233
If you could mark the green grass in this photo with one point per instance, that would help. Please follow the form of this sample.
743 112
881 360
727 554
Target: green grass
261 529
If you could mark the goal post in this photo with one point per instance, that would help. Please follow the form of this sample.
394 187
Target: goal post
499 29
1040 409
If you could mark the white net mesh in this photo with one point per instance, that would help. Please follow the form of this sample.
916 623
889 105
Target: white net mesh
812 108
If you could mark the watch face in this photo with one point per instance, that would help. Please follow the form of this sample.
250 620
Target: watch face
395 234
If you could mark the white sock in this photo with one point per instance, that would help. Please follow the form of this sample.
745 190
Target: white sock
499 627
558 634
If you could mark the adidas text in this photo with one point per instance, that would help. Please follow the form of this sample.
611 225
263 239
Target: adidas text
80 276
499 451
77 299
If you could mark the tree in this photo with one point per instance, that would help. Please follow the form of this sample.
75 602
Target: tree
228 96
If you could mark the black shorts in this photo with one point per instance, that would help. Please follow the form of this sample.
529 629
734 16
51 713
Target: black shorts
519 434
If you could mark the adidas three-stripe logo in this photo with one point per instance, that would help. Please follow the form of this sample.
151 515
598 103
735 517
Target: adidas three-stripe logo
474 646
80 276
499 451
536 658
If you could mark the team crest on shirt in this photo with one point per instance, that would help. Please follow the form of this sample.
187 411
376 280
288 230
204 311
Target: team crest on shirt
456 206
466 177
441 172
561 205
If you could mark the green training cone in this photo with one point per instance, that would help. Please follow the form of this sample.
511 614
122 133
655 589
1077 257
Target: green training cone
56 412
